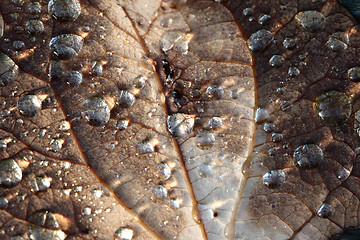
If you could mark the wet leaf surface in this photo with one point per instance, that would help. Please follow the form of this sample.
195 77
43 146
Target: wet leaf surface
178 120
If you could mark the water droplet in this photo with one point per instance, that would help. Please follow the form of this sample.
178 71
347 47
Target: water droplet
18 45
164 170
66 46
264 19
140 81
214 91
261 115
195 93
205 170
259 40
234 94
145 147
124 233
159 191
312 21
10 173
354 74
8 70
74 78
338 41
34 26
269 127
274 178
56 145
180 124
215 122
45 226
277 137
122 124
3 203
333 108
293 71
276 60
205 139
97 193
64 10
86 211
97 69
125 98
248 11
289 43
308 156
166 22
343 174
40 184
34 8
325 210
64 126
29 105
17 238
97 111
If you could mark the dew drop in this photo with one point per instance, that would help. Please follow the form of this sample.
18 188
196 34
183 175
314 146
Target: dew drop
40 184
45 226
8 70
166 22
248 11
164 170
214 91
159 191
34 26
86 211
269 127
122 124
205 170
289 43
10 173
354 74
97 193
261 115
277 137
74 78
34 8
144 147
293 71
215 122
123 233
29 105
308 156
264 19
64 10
97 69
3 202
276 61
338 41
66 46
312 21
180 125
18 45
140 81
343 174
205 139
125 99
259 40
357 123
97 111
274 178
325 210
17 238
56 145
333 108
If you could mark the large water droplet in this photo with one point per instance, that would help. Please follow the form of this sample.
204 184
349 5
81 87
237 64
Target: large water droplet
64 10
34 26
10 173
259 40
274 178
325 210
97 111
40 184
66 46
354 74
45 226
308 156
125 98
29 105
338 41
123 233
180 124
312 21
8 70
333 108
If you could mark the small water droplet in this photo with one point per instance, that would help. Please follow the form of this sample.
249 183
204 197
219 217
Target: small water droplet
144 147
312 21
308 156
274 178
269 127
125 99
40 184
166 22
276 60
205 170
8 70
289 43
164 170
325 210
97 69
354 74
333 108
264 19
277 137
10 173
34 26
259 40
97 111
343 174
64 10
293 71
122 124
66 46
215 122
124 233
74 78
45 226
214 91
248 11
3 202
18 45
205 139
180 125
338 41
86 211
261 115
97 193
34 8
159 191
56 145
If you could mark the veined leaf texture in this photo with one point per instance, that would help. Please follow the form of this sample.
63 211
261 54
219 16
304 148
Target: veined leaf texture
179 119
